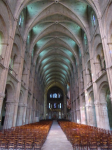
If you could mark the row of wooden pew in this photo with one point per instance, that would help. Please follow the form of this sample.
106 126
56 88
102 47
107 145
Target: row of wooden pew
84 137
30 136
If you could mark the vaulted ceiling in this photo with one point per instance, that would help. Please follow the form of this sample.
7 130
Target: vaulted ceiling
54 31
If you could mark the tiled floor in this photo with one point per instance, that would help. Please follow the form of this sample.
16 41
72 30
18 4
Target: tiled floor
56 139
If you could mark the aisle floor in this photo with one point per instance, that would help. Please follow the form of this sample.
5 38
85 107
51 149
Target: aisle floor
56 139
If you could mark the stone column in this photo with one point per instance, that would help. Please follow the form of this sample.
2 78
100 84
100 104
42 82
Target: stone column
83 115
21 115
91 120
102 115
27 115
9 117
30 112
33 113
74 119
107 45
8 51
78 115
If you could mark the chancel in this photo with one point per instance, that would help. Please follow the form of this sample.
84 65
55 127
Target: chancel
56 74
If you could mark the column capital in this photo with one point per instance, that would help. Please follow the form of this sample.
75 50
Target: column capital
12 102
2 95
22 105
99 103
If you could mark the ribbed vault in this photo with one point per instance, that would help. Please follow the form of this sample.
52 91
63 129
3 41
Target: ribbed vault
53 33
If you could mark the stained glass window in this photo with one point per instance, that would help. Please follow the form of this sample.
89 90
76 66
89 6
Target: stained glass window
28 39
85 39
50 95
20 20
49 105
60 105
59 95
93 19
54 105
54 95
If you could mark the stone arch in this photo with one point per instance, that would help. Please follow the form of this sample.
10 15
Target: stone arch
99 59
8 123
108 22
3 112
91 110
83 109
28 110
3 37
50 85
106 108
6 16
20 113
10 91
21 97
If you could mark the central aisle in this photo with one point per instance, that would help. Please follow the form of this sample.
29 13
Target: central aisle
56 139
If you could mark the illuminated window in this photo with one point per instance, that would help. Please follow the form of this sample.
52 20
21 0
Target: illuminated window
20 20
93 19
54 105
60 105
59 95
50 95
28 39
54 95
49 105
85 39
32 52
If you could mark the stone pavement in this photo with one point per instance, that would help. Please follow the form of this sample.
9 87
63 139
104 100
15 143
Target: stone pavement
56 139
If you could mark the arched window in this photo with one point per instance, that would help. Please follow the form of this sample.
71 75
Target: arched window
54 105
28 39
100 62
93 19
104 64
85 39
21 19
50 95
32 52
54 95
60 105
59 95
11 64
49 106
